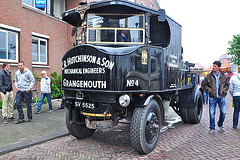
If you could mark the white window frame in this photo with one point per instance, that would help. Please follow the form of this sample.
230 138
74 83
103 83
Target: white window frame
46 41
115 31
16 34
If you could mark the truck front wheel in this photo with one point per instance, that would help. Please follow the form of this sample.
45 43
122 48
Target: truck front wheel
77 130
145 127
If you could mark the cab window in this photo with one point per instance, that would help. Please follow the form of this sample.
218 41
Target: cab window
115 29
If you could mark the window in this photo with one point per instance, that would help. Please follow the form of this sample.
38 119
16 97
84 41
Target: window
43 5
52 7
58 8
39 50
115 29
159 32
8 45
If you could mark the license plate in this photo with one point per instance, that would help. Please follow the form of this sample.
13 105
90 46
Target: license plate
87 105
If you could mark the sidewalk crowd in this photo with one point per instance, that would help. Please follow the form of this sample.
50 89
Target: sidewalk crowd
24 82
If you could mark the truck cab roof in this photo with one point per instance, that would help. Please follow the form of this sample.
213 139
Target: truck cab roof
73 16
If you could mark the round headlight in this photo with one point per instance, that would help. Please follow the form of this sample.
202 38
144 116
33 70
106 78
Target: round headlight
124 100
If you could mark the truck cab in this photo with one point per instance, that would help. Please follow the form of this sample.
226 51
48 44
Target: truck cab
126 62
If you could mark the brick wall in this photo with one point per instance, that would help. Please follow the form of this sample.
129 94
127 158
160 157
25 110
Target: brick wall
72 4
15 15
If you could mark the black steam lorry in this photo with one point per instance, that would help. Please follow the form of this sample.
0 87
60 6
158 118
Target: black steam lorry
126 64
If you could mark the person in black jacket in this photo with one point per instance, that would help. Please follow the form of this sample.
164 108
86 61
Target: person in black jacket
6 92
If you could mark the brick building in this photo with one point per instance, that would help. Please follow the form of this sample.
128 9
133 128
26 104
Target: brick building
32 31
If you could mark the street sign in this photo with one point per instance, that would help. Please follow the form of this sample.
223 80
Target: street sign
40 4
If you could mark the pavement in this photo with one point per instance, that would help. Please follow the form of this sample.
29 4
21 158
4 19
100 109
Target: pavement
46 126
178 141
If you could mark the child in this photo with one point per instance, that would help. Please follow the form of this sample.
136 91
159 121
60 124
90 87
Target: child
45 92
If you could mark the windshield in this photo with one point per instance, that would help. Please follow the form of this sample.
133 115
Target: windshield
115 29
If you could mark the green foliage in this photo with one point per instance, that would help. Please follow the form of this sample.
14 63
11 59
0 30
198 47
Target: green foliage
44 100
234 49
36 77
56 85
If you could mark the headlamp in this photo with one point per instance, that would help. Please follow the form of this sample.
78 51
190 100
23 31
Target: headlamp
124 100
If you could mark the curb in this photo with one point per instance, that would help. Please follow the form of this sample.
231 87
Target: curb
29 144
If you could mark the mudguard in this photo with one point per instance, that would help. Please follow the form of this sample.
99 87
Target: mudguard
188 98
145 100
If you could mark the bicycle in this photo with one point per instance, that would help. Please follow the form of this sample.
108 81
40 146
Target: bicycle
24 103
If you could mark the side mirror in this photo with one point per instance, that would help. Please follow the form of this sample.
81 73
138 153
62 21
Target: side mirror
162 15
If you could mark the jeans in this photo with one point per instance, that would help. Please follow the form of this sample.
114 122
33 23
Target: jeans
212 108
43 95
19 97
205 97
62 106
236 102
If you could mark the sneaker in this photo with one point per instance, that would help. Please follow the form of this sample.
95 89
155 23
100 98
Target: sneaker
221 128
50 110
211 131
60 108
31 120
11 118
37 112
20 121
5 120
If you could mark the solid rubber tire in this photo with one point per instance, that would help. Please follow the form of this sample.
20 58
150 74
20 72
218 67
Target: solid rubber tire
77 130
137 128
195 114
184 114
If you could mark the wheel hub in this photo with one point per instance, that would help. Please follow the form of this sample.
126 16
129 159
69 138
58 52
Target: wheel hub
152 127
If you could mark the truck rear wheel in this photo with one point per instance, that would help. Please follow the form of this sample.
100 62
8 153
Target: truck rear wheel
145 127
77 130
193 115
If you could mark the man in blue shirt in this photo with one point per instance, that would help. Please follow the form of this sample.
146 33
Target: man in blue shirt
216 84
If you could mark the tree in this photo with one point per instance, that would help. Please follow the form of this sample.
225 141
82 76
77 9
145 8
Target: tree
234 49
